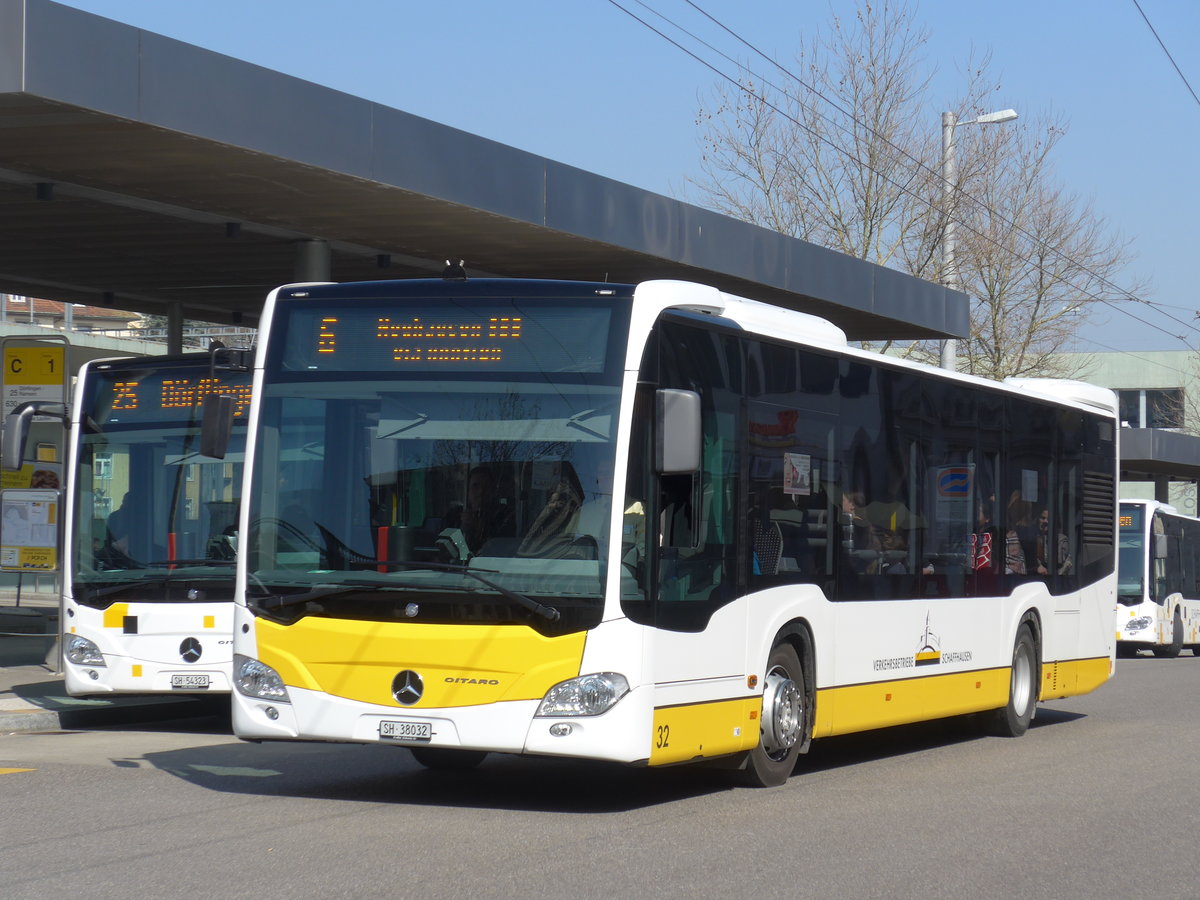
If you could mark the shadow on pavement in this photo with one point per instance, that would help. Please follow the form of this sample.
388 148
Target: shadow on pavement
384 774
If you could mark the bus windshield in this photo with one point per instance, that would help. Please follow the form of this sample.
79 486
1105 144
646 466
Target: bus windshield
153 519
1131 555
422 461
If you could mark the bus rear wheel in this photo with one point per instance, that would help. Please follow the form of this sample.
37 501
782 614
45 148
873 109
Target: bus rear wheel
447 759
783 723
1012 719
1171 650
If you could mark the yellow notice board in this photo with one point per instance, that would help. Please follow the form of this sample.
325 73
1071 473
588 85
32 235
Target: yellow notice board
33 372
29 530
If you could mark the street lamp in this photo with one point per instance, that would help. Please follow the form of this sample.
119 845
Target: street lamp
949 274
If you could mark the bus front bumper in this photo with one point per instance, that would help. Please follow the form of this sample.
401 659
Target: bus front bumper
619 735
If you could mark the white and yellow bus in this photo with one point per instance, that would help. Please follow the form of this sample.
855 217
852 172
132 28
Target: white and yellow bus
1158 580
650 524
150 527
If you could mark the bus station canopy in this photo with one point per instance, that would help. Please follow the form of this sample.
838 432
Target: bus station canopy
141 173
1156 454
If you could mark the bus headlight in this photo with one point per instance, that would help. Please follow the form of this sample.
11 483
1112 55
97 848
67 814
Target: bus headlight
587 695
83 652
255 679
1141 623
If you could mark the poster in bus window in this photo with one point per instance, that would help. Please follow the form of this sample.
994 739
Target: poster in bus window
953 491
797 474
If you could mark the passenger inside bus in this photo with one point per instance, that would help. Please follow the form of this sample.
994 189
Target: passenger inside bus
553 532
484 516
1062 564
1019 534
129 531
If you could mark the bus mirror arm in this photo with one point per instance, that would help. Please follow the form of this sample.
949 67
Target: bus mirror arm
16 429
216 425
230 359
677 415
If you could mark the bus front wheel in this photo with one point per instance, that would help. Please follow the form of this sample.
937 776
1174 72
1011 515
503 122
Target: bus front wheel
1171 650
1012 720
783 722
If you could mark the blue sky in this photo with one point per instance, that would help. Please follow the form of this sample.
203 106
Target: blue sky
581 82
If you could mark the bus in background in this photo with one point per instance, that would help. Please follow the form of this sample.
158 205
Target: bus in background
1158 582
150 527
650 524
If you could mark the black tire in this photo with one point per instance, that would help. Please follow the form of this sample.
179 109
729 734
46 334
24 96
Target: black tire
448 760
785 722
1171 650
1126 650
1012 719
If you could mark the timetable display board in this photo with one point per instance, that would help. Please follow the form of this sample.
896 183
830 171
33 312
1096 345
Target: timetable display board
29 530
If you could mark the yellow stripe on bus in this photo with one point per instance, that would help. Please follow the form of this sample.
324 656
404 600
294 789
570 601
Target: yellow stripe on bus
1074 676
700 730
460 665
862 707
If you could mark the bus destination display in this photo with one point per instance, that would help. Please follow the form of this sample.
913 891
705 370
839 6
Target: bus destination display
139 396
495 338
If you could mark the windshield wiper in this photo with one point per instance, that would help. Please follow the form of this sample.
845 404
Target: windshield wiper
162 581
549 613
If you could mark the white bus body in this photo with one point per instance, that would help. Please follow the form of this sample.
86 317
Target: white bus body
776 537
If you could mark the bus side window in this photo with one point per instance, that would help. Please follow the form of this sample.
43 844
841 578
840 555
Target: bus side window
678 506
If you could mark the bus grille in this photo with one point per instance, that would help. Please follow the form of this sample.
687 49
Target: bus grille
1099 509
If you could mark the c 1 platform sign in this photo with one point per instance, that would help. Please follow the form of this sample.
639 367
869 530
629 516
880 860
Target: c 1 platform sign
33 372
29 530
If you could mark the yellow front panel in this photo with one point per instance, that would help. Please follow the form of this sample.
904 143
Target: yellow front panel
114 616
461 665
861 707
682 733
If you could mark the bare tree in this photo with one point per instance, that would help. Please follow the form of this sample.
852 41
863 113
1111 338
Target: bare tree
846 154
1034 258
829 155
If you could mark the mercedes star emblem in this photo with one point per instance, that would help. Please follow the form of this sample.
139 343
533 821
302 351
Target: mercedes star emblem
407 687
190 650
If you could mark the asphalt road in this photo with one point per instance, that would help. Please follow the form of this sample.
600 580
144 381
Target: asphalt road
1100 799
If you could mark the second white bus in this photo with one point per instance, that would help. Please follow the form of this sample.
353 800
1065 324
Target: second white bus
1158 584
150 527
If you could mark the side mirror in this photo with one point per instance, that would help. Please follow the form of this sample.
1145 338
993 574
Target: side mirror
677 415
216 425
1162 546
16 429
